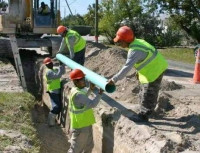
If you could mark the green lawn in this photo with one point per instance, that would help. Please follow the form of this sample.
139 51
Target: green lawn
185 55
15 115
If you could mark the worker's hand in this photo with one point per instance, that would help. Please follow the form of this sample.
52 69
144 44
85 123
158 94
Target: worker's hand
111 82
137 75
101 91
92 86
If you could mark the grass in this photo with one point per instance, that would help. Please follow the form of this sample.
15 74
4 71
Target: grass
15 115
185 55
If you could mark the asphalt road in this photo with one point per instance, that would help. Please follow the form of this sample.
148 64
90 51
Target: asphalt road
179 72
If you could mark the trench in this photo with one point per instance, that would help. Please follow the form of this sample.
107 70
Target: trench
55 139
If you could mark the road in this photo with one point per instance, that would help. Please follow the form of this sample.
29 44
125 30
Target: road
180 72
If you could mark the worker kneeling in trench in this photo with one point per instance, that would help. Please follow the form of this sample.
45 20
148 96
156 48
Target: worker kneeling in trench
81 113
52 77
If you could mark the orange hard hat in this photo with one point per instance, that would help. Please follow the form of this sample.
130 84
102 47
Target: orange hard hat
61 29
47 60
124 34
76 74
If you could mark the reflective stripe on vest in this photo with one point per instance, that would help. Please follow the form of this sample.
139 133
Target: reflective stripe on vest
52 84
79 42
80 117
153 65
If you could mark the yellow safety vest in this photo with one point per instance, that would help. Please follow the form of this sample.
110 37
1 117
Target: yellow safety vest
79 43
154 64
80 117
52 84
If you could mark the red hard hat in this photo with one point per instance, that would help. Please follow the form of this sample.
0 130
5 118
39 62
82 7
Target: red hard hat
47 60
124 34
76 74
61 29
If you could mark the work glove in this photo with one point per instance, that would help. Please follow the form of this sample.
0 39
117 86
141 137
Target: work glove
111 82
136 75
92 86
101 91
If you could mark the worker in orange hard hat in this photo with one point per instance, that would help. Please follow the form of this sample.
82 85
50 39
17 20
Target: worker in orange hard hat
52 77
81 113
74 42
150 66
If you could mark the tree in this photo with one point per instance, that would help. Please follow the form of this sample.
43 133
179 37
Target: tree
71 20
141 17
89 18
116 12
185 13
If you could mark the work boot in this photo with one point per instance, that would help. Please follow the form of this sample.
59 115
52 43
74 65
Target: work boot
51 119
140 118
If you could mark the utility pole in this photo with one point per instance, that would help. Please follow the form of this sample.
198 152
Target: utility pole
69 7
64 16
96 21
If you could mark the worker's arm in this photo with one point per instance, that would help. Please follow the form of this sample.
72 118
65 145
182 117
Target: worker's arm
81 100
132 58
72 40
57 74
62 46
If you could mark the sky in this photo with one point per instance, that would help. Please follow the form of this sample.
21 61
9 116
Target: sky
77 6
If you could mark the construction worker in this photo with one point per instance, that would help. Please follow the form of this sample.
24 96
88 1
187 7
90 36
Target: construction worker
81 113
150 66
74 42
52 77
44 9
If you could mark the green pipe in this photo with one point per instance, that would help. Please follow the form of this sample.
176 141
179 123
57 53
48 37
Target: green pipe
89 75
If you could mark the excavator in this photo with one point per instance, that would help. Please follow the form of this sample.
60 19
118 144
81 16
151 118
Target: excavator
24 18
24 24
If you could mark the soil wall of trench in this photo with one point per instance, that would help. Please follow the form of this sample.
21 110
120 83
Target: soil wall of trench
114 131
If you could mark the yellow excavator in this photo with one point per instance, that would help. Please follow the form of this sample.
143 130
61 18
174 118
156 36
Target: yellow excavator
25 21
25 17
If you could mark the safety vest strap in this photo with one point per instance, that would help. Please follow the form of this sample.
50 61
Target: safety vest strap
148 60
142 47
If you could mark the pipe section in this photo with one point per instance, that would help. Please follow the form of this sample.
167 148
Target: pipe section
89 75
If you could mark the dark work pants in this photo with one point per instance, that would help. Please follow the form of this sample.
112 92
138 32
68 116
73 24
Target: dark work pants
56 103
149 95
79 57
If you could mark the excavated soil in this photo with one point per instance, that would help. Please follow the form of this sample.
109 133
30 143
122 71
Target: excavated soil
173 128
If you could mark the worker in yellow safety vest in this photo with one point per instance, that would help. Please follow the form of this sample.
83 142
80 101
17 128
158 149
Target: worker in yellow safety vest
81 113
52 77
44 9
74 42
150 66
